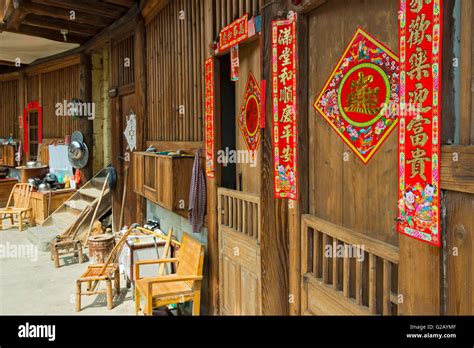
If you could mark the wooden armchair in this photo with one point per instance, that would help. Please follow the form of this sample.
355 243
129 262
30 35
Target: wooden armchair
183 286
19 207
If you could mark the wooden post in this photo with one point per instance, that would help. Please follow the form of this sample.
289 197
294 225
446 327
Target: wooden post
274 223
86 125
141 109
301 205
213 183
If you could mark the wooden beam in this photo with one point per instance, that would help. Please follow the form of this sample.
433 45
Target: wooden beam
61 13
9 76
152 7
61 61
307 6
54 35
213 183
301 206
91 7
58 24
119 28
139 211
125 3
457 162
15 20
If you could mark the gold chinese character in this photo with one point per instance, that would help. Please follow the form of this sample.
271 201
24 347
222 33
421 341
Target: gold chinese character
286 94
417 5
362 98
285 75
417 163
416 124
285 37
418 65
286 114
417 30
419 96
419 139
286 133
285 57
286 154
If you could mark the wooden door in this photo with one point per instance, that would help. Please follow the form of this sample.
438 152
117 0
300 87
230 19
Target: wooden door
123 105
240 286
345 193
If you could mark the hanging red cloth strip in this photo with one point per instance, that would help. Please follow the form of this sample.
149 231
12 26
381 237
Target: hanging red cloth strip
284 107
419 131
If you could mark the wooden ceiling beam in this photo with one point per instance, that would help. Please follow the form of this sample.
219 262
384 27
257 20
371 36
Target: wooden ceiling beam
54 35
58 24
61 13
92 7
125 3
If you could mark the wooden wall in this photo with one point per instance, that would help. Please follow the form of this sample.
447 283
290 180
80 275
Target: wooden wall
176 49
226 11
458 270
175 54
57 86
52 83
359 196
123 64
9 108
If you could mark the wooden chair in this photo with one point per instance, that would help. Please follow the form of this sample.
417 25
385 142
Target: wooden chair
182 286
109 271
19 207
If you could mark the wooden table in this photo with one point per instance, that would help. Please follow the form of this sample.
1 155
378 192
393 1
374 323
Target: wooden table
45 203
6 186
35 172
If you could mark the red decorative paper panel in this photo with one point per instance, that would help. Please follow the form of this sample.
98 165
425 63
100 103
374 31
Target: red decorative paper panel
249 118
209 80
234 33
284 107
360 98
419 132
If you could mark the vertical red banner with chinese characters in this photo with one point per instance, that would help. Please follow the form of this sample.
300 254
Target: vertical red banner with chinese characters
209 76
419 130
284 106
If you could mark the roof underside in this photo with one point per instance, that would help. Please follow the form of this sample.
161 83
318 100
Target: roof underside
33 29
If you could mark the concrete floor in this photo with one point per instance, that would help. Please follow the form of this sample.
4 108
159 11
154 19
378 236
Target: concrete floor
30 285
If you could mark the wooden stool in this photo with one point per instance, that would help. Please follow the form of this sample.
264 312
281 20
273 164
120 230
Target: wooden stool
66 247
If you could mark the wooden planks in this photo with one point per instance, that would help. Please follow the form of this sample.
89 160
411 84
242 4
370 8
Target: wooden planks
356 271
9 110
460 253
175 57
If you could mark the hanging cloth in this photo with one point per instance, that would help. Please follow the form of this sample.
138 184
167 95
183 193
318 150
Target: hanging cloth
197 195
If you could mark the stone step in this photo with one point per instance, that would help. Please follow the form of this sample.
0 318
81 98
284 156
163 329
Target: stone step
42 236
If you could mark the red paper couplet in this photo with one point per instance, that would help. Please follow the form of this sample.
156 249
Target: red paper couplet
209 80
284 107
419 132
